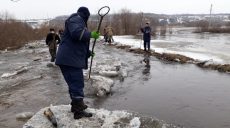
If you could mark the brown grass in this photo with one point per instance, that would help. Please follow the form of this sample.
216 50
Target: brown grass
164 56
219 67
219 30
15 34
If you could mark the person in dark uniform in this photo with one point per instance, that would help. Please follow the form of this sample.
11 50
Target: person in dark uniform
72 58
146 36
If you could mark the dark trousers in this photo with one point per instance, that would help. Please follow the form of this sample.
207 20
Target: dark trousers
146 45
75 80
105 37
53 50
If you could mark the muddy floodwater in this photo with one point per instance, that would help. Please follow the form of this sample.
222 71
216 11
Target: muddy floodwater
184 95
180 94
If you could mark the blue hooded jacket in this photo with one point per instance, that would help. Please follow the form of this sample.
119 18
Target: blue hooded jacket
146 33
74 47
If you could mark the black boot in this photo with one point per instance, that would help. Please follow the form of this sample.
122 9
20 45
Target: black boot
52 59
78 106
80 114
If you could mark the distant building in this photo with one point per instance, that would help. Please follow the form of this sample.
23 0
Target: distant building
33 24
163 22
36 23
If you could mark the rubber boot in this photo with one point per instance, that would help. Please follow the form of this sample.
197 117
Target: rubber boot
80 114
52 59
78 105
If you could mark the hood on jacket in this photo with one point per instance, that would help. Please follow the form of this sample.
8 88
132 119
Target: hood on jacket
84 13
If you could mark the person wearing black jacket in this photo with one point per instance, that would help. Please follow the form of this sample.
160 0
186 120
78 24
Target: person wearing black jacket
146 36
52 39
72 57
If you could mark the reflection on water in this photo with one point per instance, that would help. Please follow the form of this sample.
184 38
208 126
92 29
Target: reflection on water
179 94
146 71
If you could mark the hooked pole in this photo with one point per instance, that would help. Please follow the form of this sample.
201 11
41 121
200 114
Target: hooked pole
140 28
210 17
101 13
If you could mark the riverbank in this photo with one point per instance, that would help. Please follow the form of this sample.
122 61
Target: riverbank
178 59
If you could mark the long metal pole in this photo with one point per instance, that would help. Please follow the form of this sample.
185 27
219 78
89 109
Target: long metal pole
210 18
98 28
94 42
141 27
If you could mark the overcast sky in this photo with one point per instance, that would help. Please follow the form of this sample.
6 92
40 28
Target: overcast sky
27 9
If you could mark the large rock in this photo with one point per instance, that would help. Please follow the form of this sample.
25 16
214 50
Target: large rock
101 119
99 85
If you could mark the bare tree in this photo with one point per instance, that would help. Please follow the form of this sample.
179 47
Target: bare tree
15 33
125 17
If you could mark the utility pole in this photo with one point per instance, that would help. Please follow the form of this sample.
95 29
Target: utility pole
210 17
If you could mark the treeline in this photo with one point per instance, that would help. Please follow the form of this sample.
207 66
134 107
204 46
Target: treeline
14 34
212 27
126 22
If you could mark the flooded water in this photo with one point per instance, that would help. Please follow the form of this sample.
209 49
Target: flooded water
184 95
180 94
216 46
202 46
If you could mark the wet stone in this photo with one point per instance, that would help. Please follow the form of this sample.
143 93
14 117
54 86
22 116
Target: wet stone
24 116
50 65
101 119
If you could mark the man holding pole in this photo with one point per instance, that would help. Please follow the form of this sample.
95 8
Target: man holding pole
72 58
146 36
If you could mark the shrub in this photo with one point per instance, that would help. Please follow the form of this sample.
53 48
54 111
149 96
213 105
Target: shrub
14 34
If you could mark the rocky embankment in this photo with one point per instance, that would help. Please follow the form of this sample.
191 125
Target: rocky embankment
179 59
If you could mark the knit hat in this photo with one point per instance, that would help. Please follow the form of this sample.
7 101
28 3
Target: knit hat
84 13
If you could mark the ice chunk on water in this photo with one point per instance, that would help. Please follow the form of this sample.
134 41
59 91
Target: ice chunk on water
102 85
135 122
6 75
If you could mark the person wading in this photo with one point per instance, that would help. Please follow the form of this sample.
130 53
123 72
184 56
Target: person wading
72 58
52 39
